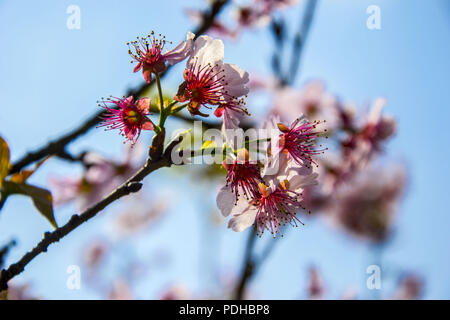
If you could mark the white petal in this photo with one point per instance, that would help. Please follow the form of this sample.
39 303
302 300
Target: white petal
226 201
236 80
207 51
298 183
241 222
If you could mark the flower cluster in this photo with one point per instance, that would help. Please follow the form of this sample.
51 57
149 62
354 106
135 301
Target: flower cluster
272 190
248 15
268 192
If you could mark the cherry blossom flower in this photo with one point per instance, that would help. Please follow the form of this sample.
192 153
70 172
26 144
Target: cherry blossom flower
298 141
251 16
243 176
360 146
410 288
100 178
278 201
210 82
218 28
365 206
316 288
121 290
148 52
129 116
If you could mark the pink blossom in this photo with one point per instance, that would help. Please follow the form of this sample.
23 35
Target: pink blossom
410 288
252 16
243 175
365 206
360 146
278 201
208 81
316 288
100 178
218 28
128 116
148 52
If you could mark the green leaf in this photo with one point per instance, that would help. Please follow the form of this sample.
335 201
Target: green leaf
4 160
42 198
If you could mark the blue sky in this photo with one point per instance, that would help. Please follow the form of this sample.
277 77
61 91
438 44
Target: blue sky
52 77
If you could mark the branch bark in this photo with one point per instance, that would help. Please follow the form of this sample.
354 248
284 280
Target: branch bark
132 185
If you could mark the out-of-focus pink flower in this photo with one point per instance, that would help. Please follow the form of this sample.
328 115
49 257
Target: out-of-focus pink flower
18 292
262 82
175 292
140 216
95 254
217 29
316 288
313 101
410 288
278 201
209 81
100 178
121 290
148 52
365 206
360 147
128 116
251 16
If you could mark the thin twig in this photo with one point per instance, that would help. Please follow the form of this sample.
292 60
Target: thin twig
59 144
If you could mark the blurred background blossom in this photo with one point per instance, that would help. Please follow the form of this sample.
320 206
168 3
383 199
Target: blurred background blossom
381 197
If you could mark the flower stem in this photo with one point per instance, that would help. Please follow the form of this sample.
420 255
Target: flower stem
162 116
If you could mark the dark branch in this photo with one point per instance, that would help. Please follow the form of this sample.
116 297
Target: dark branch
132 185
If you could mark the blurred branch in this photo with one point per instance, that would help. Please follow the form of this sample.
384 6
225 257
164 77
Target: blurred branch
132 185
251 264
59 144
248 267
4 251
300 39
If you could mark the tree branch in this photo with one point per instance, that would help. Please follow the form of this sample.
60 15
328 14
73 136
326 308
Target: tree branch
132 185
58 145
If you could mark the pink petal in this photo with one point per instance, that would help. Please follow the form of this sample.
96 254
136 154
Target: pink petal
143 105
242 221
219 111
147 75
225 200
147 125
182 51
137 67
